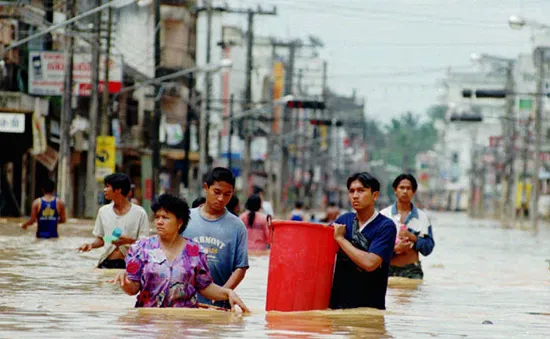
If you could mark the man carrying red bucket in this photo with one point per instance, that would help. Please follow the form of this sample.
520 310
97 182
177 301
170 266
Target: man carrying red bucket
366 239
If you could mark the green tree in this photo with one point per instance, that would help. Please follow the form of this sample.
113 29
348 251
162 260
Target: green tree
404 137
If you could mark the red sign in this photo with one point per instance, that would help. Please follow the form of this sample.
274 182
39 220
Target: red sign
148 189
86 89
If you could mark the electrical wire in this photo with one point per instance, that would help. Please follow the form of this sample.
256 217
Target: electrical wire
396 73
368 13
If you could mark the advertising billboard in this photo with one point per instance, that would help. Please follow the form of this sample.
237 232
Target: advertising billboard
47 71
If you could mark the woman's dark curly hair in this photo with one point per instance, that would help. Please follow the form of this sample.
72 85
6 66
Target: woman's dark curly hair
175 205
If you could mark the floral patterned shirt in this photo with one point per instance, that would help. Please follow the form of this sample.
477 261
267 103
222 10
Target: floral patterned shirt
165 284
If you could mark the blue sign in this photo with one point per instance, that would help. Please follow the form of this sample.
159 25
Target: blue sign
234 156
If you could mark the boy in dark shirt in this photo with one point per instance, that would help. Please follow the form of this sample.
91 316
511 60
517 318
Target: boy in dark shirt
366 239
47 211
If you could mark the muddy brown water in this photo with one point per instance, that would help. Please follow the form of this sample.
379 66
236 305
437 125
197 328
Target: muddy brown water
479 271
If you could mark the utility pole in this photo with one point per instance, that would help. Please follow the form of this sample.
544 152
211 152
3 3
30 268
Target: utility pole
91 183
269 191
105 97
473 175
539 55
481 176
48 9
204 114
203 144
187 133
509 143
157 108
248 101
248 93
300 165
64 163
525 159
283 172
324 172
230 137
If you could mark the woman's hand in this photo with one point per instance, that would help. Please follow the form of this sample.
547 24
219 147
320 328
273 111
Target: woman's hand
216 292
127 285
234 299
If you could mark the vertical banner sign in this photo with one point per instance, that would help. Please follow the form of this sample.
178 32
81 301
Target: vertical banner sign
105 156
278 88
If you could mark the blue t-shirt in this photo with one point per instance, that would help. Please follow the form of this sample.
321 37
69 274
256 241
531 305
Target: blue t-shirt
354 287
226 241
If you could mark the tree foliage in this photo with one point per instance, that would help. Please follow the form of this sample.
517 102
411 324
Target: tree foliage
399 141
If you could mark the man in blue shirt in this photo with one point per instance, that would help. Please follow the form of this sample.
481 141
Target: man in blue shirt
415 234
366 239
220 232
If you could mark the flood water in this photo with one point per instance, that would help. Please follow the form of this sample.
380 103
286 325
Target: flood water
478 271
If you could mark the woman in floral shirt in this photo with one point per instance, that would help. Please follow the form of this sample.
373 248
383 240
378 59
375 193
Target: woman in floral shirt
168 270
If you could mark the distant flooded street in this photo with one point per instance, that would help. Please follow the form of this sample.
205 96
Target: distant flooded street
479 271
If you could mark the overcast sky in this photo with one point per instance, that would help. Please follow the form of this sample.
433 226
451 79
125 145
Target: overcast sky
393 52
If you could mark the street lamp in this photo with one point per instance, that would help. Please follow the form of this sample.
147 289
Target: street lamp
516 22
478 58
223 64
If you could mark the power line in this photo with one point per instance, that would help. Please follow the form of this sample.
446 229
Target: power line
364 13
396 73
419 44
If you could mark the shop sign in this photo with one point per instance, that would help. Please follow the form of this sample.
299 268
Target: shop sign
12 123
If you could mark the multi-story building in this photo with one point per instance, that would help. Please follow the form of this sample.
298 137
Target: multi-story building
132 61
27 157
135 38
471 124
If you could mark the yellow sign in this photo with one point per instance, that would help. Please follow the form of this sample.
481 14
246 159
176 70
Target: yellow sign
523 194
278 90
323 131
105 156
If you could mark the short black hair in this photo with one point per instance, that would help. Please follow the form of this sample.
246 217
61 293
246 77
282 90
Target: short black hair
233 202
298 204
197 202
366 179
405 176
175 205
258 190
219 174
119 181
48 186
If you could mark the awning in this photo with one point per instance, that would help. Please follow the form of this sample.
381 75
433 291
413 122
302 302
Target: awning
178 154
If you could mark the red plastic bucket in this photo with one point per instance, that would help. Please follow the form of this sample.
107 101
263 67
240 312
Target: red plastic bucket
301 266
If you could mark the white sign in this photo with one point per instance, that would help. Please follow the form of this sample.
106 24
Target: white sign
47 72
12 122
